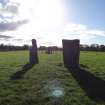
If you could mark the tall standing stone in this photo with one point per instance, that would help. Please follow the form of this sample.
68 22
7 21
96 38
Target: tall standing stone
71 53
33 53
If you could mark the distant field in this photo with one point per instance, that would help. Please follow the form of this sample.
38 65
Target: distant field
49 82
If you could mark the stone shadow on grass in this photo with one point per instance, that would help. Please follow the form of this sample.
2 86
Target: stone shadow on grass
20 74
92 85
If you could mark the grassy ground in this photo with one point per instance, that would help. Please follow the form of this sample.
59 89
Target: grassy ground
47 83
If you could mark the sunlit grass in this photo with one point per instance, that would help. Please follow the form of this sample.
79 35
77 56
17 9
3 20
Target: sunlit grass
47 83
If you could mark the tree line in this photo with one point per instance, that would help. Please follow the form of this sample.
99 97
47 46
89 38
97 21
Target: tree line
92 47
12 47
83 47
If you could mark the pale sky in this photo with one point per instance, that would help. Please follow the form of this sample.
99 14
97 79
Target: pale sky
50 21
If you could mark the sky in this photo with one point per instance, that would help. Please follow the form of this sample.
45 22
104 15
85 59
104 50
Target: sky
50 21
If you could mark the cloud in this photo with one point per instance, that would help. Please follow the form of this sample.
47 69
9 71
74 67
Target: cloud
17 9
18 39
8 26
81 30
5 37
12 8
4 2
11 16
9 9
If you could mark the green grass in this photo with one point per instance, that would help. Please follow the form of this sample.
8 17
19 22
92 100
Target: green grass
38 85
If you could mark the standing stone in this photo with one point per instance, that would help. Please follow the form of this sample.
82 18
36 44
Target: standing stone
33 53
71 53
49 50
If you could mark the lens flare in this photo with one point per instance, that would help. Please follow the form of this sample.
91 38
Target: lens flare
57 93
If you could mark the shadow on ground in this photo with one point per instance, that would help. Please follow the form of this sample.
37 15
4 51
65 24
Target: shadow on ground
20 74
92 85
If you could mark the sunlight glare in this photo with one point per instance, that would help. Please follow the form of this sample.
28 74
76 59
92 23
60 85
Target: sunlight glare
47 15
45 18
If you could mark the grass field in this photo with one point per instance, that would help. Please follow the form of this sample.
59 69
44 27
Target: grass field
49 82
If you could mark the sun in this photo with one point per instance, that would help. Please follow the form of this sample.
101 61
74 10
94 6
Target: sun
45 18
47 14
